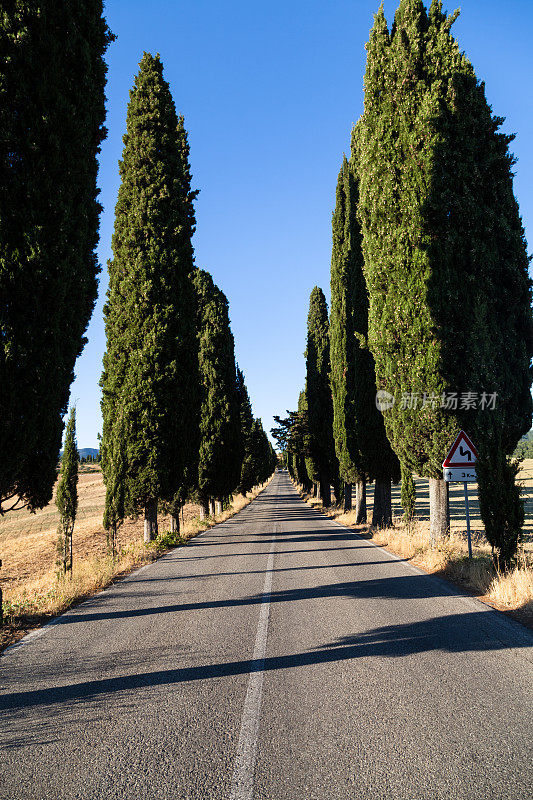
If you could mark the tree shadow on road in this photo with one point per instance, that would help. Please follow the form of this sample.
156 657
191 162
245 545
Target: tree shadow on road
452 633
402 587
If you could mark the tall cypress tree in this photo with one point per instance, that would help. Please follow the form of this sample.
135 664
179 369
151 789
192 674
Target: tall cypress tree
361 442
445 257
220 457
311 465
318 392
302 435
67 497
342 336
246 425
52 110
357 425
184 479
149 383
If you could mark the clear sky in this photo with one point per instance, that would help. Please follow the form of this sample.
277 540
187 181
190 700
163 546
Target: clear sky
270 92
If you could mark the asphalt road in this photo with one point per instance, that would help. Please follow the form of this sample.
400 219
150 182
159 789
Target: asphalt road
279 656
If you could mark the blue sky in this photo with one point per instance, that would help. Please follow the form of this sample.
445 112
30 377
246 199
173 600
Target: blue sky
270 92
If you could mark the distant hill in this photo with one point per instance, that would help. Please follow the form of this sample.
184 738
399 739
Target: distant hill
87 451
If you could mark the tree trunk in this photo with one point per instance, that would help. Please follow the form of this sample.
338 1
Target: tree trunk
150 520
211 507
325 492
218 507
112 539
382 513
408 495
317 491
347 496
439 510
175 523
204 509
360 502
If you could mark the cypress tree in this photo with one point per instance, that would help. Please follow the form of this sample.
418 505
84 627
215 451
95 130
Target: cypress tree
500 504
310 464
259 463
319 401
246 425
342 337
445 257
300 437
220 457
361 443
185 479
272 458
249 469
251 466
67 497
263 459
114 511
150 377
52 110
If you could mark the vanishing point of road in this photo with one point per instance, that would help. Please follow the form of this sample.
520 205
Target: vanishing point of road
278 656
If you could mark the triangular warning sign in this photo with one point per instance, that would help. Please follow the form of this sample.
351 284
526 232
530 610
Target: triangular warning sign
462 453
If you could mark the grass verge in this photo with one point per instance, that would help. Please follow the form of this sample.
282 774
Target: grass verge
39 601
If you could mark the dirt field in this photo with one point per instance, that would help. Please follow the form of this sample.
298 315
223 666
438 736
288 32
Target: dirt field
28 541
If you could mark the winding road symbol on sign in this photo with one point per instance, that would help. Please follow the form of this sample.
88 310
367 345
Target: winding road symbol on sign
462 453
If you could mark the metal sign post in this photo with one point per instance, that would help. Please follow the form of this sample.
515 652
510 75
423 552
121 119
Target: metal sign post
468 522
460 466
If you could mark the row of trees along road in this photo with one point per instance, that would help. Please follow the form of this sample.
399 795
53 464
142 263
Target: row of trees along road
52 112
430 290
170 362
177 417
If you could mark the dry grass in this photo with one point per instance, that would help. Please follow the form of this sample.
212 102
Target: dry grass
32 592
514 590
511 592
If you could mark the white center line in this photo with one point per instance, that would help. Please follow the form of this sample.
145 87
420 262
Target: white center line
242 786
